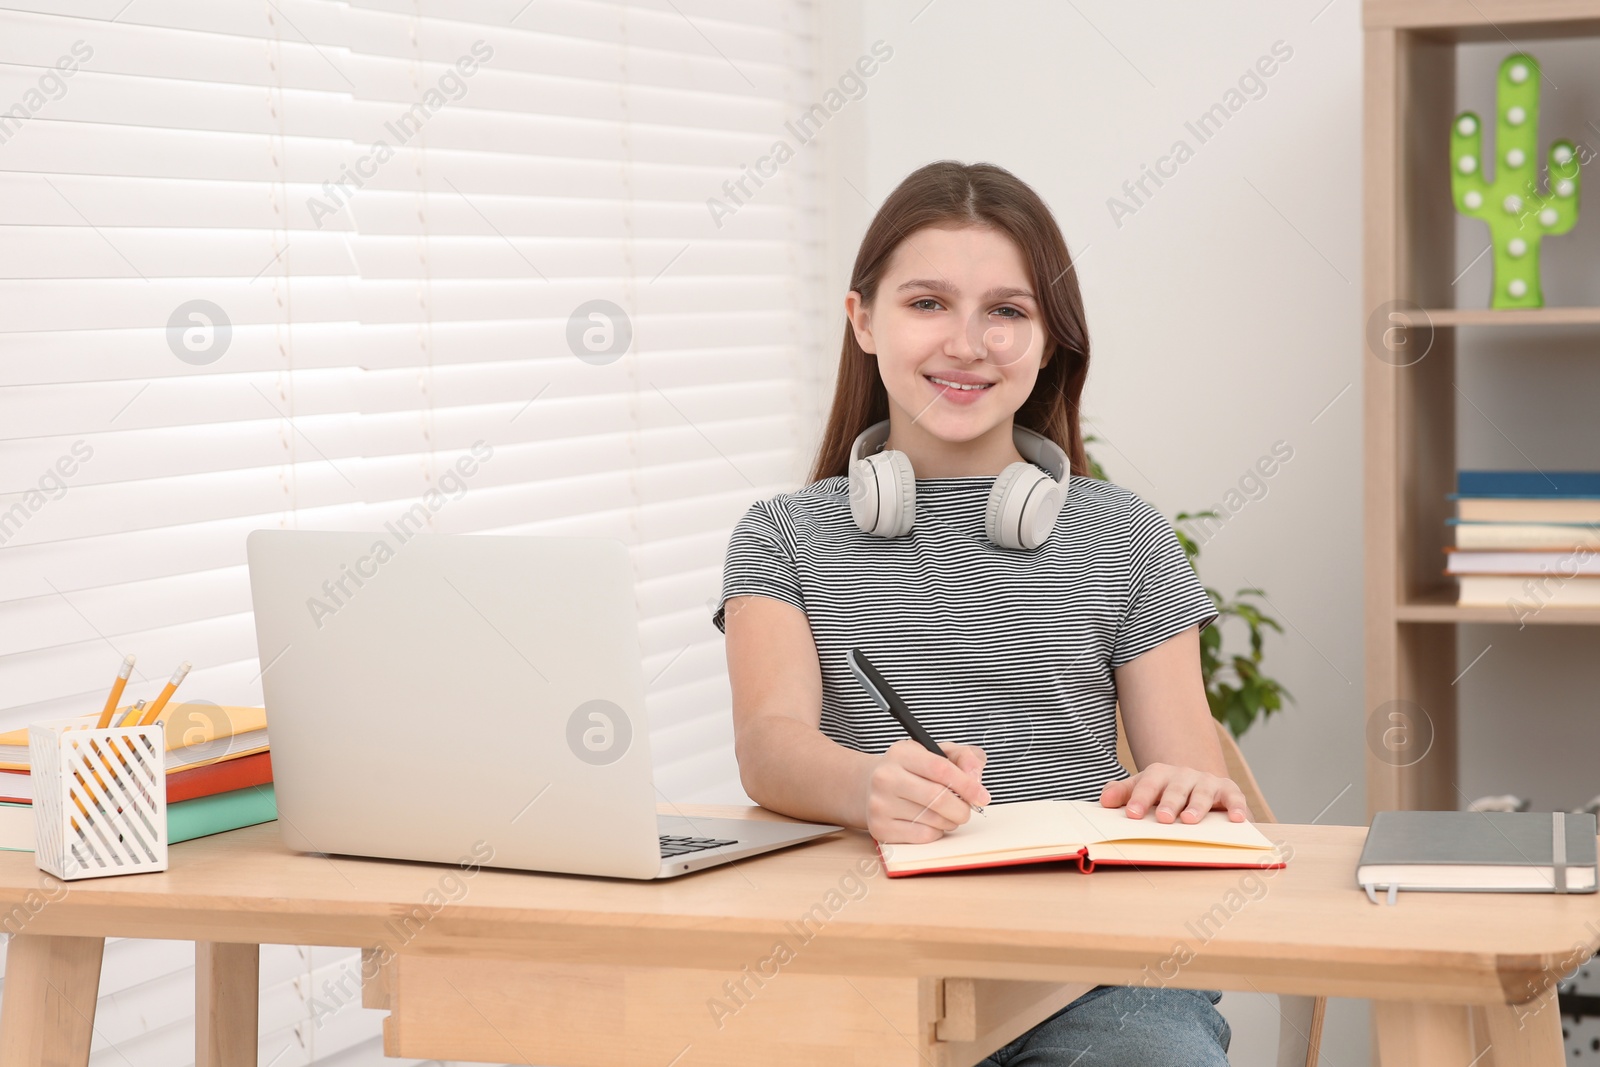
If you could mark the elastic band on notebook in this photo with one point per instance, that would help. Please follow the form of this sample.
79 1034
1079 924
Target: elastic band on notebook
1558 850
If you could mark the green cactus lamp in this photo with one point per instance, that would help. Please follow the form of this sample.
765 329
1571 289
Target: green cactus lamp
1519 218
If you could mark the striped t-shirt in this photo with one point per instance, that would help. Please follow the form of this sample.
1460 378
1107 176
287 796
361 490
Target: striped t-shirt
1011 650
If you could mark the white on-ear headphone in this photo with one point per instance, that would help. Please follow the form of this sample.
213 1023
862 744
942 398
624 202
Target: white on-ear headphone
1023 504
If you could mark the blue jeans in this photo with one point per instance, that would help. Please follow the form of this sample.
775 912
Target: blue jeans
1126 1026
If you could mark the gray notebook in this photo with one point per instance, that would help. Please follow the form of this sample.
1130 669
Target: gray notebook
1483 852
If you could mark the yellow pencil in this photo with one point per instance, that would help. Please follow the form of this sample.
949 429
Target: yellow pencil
116 693
104 721
131 716
154 710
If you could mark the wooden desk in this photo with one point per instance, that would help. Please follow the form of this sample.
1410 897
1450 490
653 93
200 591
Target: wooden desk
803 956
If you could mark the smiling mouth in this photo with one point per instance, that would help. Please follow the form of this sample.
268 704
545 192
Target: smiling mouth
947 384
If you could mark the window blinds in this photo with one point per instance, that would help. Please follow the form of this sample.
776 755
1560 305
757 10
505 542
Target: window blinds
285 263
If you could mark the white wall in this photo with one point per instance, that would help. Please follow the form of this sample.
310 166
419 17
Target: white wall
1224 313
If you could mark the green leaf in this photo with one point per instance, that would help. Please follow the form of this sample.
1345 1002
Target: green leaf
1237 691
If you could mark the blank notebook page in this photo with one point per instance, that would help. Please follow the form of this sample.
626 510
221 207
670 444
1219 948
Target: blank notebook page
1045 827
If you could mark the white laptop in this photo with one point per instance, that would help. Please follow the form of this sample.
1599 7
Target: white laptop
469 698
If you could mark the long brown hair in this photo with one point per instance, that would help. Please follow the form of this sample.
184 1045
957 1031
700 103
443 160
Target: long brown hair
949 193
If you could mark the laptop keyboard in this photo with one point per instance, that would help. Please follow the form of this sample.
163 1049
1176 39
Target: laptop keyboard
672 845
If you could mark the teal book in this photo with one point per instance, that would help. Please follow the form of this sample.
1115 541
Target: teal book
202 816
1528 484
186 819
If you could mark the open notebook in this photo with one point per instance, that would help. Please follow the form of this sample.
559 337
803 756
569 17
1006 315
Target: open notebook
1038 831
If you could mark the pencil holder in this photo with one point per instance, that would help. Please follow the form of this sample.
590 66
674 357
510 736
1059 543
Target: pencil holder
99 799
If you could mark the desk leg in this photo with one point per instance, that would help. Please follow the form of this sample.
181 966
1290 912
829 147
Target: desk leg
47 1014
1526 1035
1415 1034
227 1004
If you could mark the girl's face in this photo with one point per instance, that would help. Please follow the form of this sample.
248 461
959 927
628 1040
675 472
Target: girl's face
955 308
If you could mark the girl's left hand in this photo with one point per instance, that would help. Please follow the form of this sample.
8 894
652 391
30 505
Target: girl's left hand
1184 794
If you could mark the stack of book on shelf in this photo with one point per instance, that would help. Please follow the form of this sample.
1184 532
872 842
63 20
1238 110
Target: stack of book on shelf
219 774
1527 537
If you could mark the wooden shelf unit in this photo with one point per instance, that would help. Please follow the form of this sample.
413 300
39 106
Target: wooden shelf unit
1513 317
1439 605
1409 101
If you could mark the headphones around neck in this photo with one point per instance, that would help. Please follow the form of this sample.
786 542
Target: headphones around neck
1023 504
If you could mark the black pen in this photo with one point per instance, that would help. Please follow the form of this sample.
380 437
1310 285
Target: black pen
890 701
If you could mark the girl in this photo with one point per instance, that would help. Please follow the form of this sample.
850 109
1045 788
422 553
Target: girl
1011 629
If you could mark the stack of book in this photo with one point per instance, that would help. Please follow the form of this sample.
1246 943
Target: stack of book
219 774
1532 537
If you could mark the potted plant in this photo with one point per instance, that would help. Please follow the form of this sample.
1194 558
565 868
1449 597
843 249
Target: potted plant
1236 689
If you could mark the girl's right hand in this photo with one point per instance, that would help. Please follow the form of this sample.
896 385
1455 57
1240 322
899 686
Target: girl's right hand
909 798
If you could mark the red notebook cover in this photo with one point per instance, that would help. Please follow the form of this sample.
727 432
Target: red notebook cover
1087 835
223 777
1085 864
187 784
